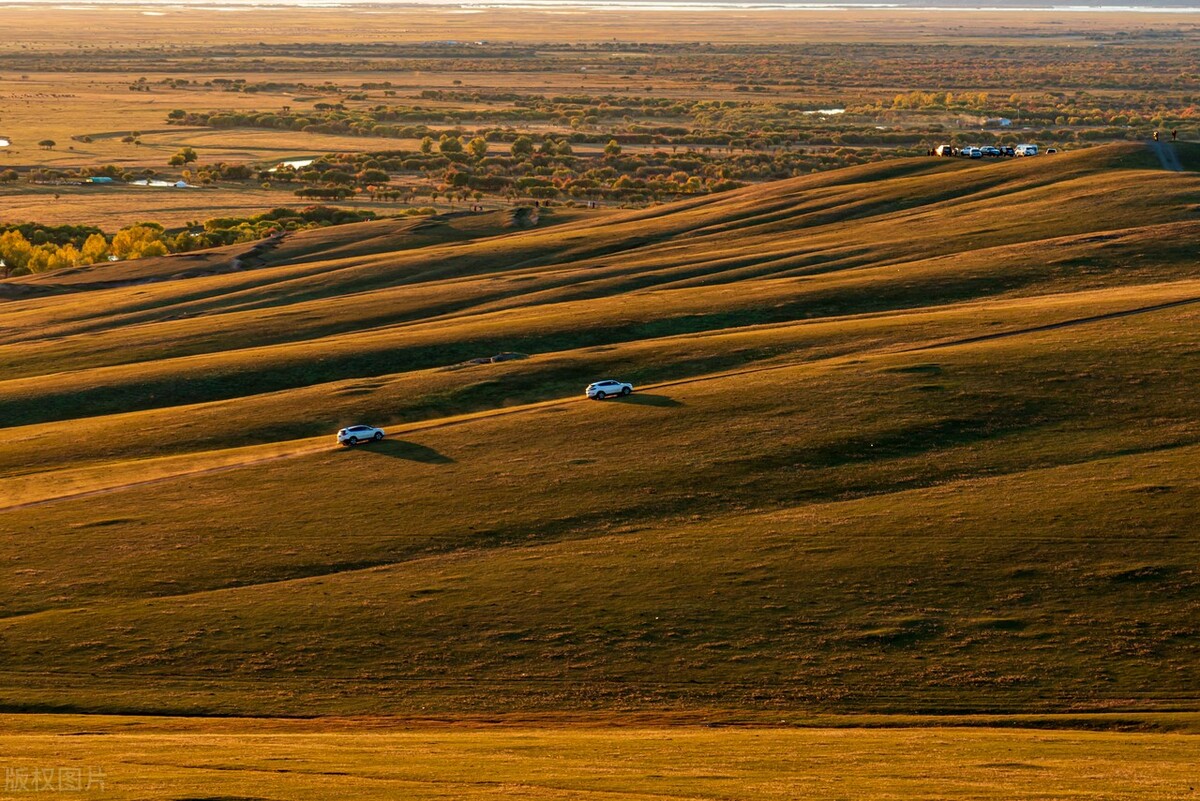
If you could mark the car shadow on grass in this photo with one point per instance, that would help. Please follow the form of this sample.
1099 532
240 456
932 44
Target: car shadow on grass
403 449
644 399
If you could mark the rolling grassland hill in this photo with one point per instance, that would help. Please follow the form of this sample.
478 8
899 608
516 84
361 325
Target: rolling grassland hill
912 437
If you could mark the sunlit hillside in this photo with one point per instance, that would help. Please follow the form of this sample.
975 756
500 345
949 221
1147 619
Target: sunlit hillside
918 436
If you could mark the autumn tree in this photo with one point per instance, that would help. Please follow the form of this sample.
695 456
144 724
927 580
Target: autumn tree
184 157
15 252
522 147
138 241
95 250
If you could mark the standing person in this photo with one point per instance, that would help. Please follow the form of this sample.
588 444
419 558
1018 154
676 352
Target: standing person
1156 136
1174 135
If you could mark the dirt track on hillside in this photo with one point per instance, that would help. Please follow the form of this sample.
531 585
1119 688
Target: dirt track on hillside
310 449
1167 156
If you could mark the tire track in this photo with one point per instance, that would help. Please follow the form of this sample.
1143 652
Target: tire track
72 496
1167 157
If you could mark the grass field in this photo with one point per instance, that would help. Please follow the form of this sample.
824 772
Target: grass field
161 758
138 758
876 464
903 505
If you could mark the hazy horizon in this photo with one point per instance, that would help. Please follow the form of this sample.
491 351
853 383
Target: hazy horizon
1163 6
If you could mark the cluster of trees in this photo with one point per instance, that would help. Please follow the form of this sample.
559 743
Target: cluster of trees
324 192
233 230
1117 110
31 248
968 101
249 87
551 169
579 119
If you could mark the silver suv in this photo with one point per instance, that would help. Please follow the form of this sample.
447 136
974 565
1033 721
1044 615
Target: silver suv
355 434
607 388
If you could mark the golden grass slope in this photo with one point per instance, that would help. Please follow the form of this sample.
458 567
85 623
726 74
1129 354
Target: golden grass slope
917 437
655 272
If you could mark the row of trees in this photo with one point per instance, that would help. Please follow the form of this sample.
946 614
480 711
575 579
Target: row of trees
20 256
718 123
551 169
31 248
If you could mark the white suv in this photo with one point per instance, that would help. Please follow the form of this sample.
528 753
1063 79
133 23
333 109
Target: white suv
355 434
604 389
